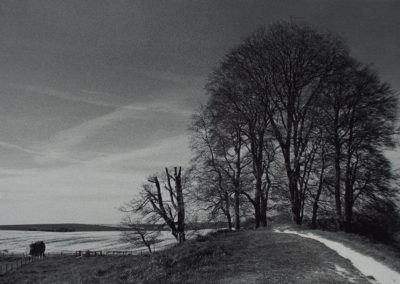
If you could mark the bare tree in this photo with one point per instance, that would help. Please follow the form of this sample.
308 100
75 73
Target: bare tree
228 94
162 203
218 146
359 115
139 234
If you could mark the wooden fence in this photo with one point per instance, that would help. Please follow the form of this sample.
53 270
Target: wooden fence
19 260
90 253
16 264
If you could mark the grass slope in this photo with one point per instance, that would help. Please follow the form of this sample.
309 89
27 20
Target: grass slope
235 257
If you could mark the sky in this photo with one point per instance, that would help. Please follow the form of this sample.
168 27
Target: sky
97 95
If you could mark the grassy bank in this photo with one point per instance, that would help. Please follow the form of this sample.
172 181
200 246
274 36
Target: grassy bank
235 257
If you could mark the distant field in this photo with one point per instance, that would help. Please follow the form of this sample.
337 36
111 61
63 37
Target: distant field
17 242
56 242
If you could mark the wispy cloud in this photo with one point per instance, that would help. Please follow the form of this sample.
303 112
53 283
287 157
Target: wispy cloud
59 94
175 148
164 152
166 76
77 97
33 152
61 144
20 148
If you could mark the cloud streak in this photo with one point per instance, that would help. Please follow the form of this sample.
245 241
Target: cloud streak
33 152
60 145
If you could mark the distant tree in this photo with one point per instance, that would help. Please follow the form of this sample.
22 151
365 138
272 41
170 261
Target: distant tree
162 202
140 235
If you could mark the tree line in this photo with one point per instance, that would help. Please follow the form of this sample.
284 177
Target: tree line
292 120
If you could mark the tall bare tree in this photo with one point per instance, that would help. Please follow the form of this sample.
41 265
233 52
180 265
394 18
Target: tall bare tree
218 146
162 202
359 115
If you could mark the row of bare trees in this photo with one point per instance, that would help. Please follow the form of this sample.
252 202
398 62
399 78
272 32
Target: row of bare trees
291 117
290 110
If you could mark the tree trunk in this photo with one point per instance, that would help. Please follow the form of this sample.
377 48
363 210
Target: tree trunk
228 210
317 196
260 202
181 205
264 206
348 215
295 200
263 211
296 212
348 199
236 180
257 199
338 202
237 208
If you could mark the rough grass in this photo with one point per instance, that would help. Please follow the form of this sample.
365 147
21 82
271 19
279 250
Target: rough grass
235 257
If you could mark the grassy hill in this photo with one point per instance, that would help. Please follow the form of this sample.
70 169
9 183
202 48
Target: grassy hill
251 256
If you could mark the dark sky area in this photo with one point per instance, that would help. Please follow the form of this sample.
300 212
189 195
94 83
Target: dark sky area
97 95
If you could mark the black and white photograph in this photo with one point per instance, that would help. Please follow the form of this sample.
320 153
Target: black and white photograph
200 141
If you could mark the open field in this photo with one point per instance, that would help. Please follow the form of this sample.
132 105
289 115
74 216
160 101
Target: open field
56 242
17 242
235 257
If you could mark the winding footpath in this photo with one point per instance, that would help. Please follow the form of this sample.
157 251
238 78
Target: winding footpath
365 264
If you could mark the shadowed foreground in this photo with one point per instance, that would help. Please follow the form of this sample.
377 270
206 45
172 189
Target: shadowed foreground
237 257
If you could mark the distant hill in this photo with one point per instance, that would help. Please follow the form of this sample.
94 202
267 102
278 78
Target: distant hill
67 227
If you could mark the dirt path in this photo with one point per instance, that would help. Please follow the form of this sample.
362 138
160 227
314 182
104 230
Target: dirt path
374 270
